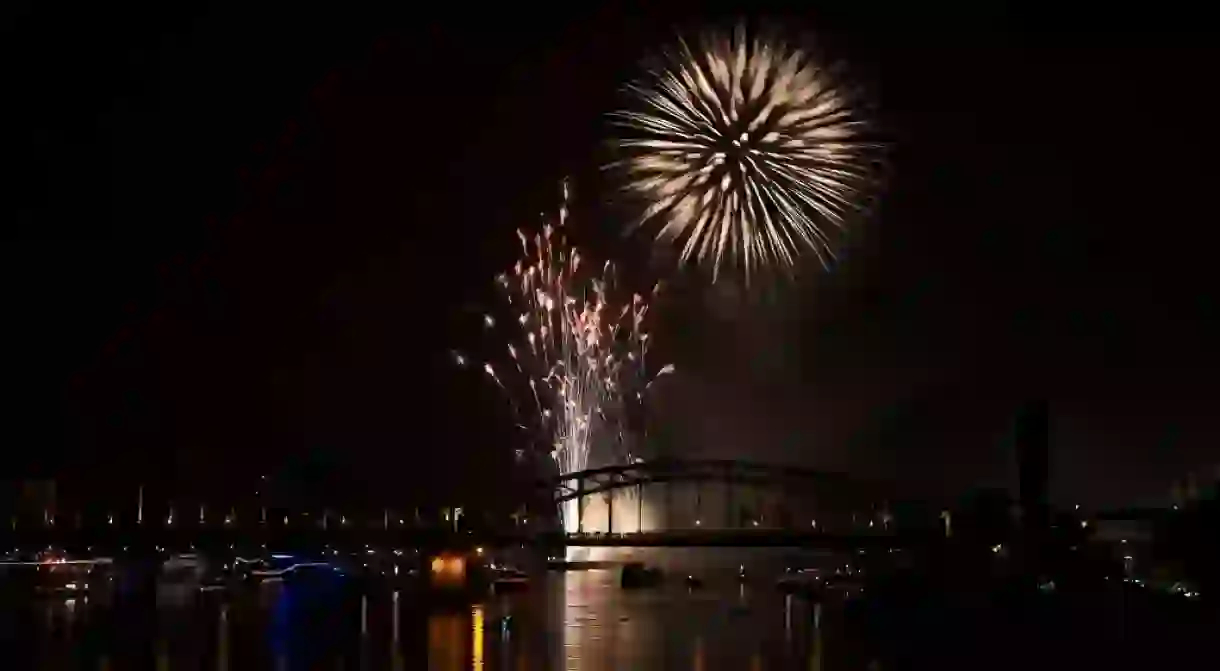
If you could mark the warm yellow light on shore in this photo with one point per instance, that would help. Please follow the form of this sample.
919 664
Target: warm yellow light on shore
449 571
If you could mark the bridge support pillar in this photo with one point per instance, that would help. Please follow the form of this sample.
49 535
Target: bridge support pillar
728 501
610 511
639 508
580 505
699 503
668 504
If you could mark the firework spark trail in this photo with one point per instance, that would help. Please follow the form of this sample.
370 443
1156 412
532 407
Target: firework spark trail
577 351
747 149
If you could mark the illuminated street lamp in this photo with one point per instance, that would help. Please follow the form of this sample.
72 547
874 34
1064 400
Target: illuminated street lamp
262 504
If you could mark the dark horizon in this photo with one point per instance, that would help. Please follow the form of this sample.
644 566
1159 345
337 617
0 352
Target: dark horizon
251 239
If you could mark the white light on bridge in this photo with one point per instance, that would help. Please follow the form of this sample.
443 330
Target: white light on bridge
813 523
696 522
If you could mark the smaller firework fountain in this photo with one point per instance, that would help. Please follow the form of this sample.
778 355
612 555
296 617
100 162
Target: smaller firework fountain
576 347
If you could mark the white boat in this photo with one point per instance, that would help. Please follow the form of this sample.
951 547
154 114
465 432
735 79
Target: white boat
180 577
802 581
506 580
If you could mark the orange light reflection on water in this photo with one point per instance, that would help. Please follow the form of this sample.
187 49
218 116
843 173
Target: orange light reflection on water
445 649
476 645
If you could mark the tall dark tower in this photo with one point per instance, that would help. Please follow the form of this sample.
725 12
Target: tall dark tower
1033 461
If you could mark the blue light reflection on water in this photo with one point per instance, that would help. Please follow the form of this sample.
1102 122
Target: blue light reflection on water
308 617
577 620
280 631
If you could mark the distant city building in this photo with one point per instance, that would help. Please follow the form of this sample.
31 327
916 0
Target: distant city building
1032 437
1201 484
37 501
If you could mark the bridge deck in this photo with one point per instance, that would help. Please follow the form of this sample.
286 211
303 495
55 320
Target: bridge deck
731 538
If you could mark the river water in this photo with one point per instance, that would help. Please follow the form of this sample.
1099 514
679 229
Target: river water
567 620
585 620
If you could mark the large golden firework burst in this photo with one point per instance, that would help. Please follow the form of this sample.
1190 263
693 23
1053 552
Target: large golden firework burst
745 150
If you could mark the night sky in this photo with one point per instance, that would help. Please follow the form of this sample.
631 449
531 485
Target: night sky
247 240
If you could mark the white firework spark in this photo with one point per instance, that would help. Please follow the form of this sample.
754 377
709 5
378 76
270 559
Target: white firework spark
576 350
746 149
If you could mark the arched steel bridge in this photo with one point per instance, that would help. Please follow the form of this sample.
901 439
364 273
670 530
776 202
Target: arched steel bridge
638 473
727 476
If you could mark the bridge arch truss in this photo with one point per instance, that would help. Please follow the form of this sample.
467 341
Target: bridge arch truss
833 491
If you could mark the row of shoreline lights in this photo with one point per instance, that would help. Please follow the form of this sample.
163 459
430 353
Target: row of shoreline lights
231 518
450 515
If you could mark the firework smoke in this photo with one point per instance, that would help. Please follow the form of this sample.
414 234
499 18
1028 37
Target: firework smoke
575 351
746 149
